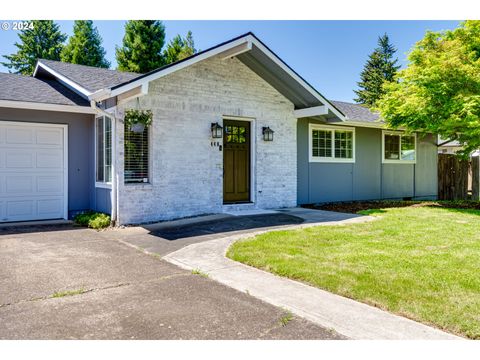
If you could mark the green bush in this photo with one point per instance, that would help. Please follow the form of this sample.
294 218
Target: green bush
93 220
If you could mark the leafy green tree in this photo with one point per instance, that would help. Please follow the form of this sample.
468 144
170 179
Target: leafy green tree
141 50
85 46
439 91
43 41
380 67
179 48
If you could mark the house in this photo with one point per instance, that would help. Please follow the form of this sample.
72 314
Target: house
233 128
448 147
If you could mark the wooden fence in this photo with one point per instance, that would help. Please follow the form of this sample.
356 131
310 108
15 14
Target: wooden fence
458 179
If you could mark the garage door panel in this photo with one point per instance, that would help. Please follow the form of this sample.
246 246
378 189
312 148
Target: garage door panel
53 137
17 135
19 185
52 159
50 184
32 171
50 207
19 159
19 208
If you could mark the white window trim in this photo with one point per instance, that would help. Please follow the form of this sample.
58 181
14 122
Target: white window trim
399 161
100 184
331 159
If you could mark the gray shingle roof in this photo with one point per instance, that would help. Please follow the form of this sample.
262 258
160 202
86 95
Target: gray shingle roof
356 112
27 88
89 77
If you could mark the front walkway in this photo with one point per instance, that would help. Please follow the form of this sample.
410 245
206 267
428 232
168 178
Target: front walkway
348 317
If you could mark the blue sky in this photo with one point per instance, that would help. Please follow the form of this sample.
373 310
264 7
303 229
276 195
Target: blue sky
328 54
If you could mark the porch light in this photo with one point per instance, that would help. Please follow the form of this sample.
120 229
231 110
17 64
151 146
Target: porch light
217 131
267 133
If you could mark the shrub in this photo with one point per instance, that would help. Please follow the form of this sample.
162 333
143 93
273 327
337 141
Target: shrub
93 220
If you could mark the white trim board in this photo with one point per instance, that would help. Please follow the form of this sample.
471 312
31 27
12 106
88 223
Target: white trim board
46 107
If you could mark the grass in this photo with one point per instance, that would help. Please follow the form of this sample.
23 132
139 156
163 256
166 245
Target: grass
286 318
419 262
59 294
199 272
93 220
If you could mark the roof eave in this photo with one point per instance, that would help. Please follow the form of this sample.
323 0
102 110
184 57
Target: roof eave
248 39
72 85
30 105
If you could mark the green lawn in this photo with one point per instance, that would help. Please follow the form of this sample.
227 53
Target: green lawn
419 262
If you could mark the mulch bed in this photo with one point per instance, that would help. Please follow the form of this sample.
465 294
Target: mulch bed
356 206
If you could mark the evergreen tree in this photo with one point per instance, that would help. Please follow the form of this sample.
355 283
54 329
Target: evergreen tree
381 67
141 50
179 48
85 46
43 41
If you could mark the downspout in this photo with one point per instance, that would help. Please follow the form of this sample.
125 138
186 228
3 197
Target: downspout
114 196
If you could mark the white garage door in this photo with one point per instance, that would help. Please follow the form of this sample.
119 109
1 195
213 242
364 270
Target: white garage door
33 171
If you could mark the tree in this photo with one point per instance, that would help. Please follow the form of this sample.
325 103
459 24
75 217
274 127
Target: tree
141 50
43 40
85 46
380 67
439 91
179 48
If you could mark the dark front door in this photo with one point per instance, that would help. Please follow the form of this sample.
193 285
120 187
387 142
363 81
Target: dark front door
236 161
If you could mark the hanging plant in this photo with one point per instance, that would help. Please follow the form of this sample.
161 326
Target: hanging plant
137 120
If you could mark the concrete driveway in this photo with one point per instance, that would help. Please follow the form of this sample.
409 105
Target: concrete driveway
74 283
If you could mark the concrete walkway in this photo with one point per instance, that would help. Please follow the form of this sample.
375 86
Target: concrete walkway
347 317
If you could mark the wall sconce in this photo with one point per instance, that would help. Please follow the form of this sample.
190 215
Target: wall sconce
217 130
267 133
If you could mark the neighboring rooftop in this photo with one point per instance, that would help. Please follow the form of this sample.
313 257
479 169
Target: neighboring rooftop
357 112
29 89
89 77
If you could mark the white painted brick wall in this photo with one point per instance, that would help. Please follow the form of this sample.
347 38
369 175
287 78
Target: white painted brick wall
186 171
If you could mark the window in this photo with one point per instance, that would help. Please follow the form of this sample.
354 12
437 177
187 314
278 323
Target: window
331 144
136 156
399 148
103 149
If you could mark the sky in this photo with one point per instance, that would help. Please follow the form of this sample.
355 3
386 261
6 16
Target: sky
328 54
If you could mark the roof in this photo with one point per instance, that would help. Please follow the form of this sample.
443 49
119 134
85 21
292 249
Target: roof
29 89
357 112
89 77
260 59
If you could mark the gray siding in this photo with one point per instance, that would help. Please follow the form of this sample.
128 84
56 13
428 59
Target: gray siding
81 193
103 201
367 178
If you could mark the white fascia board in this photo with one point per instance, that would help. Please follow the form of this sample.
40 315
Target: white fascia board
100 95
240 49
180 66
46 107
377 125
65 81
311 111
297 78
